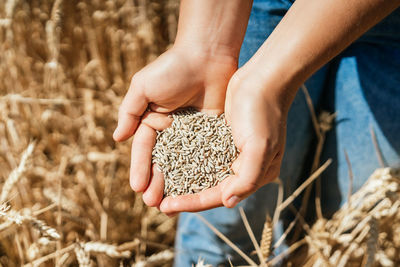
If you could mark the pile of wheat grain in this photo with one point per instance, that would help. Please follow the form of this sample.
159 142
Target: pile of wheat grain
195 153
65 195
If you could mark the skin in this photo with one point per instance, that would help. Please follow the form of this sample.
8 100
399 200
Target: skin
201 71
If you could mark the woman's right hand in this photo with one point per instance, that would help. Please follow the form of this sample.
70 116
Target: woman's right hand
178 78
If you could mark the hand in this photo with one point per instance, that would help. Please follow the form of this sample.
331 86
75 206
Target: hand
257 114
178 78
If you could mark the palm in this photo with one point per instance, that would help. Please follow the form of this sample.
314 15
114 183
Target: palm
173 81
258 128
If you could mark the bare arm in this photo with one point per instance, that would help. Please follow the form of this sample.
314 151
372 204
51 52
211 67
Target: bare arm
207 45
312 33
260 93
218 26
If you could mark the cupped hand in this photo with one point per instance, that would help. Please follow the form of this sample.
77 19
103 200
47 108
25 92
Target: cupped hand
178 78
257 116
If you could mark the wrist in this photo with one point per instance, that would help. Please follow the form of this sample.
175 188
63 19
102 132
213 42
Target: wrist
207 51
276 84
216 27
206 62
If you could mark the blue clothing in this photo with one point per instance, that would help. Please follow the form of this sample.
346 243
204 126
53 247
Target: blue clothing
362 85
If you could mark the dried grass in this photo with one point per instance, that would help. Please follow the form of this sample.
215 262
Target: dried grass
65 199
64 68
365 231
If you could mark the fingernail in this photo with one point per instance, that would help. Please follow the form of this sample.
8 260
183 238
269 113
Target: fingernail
233 201
115 132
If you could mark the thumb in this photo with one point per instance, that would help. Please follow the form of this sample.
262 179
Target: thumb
254 162
130 112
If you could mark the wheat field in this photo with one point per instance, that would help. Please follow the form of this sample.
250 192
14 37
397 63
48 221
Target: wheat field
65 195
64 68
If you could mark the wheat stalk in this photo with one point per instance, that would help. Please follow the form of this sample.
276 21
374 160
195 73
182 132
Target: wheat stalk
372 242
304 185
266 238
16 174
108 249
157 258
227 241
259 251
64 68
82 256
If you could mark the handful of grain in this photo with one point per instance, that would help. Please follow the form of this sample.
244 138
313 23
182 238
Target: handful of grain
195 153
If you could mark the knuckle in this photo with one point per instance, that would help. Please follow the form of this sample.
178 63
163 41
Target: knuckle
135 185
267 145
235 81
250 187
132 184
121 110
135 78
148 200
136 82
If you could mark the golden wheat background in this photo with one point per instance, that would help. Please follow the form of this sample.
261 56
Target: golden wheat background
65 198
64 68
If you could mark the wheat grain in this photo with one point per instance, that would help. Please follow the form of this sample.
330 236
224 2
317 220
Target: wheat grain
195 153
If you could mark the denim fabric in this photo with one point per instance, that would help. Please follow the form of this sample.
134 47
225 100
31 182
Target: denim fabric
362 85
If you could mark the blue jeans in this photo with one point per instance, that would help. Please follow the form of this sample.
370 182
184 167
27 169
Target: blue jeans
362 85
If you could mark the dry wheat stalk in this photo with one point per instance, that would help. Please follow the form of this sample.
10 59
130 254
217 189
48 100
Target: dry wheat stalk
50 256
30 100
17 218
66 203
15 175
159 258
259 250
372 242
200 263
82 256
228 242
359 232
108 249
266 237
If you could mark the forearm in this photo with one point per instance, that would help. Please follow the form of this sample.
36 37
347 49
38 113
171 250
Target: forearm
312 33
216 26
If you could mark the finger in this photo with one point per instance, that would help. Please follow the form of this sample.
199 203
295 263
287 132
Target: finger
171 215
142 146
132 108
236 165
207 199
153 195
157 121
254 163
273 171
160 109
